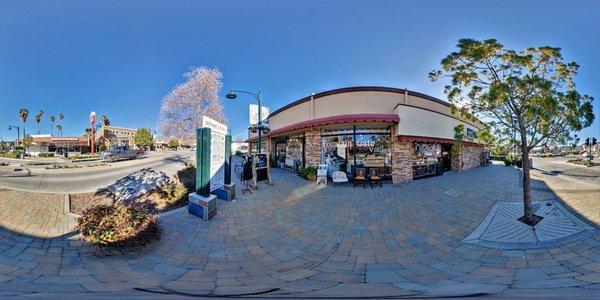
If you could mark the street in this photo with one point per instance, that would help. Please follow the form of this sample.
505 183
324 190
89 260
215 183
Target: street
88 179
559 166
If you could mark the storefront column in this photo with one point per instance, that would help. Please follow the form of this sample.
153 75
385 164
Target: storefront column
402 153
468 158
313 148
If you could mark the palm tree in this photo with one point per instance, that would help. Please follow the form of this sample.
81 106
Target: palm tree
38 119
23 114
52 124
60 118
59 129
105 120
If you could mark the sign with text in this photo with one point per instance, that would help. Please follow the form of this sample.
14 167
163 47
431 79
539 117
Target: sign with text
253 109
218 131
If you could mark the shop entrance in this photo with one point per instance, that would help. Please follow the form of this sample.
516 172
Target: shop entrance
447 156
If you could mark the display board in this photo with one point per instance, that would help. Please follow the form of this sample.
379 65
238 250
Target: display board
218 131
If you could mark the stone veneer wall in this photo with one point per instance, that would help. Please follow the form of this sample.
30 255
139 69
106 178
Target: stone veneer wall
312 148
402 153
470 157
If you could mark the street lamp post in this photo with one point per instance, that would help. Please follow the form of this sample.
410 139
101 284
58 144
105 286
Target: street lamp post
11 127
259 125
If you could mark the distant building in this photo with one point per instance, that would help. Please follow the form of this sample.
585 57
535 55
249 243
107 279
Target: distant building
160 143
239 146
59 145
111 136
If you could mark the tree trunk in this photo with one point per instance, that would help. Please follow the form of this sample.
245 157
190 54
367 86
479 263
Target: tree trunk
527 206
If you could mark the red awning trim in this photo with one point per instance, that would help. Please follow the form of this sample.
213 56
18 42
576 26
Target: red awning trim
426 139
343 119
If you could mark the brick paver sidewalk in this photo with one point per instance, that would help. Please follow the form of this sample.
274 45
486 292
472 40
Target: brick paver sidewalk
297 238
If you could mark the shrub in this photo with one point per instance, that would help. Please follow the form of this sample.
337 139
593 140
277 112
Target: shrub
174 193
12 154
46 154
118 226
304 172
508 161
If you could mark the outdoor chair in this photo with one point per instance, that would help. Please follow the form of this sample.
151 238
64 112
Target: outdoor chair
322 174
339 177
374 178
361 177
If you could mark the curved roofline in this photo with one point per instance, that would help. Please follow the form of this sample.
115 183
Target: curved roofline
361 89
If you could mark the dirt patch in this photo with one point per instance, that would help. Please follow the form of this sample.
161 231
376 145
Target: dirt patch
82 202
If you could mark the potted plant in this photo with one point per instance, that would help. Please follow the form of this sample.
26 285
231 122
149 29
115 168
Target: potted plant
311 173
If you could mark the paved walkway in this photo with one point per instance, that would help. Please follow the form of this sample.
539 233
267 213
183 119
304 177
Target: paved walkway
34 214
296 238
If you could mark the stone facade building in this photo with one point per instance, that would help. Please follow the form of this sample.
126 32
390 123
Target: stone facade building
396 133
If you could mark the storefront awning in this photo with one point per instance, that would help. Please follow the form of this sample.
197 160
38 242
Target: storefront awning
343 119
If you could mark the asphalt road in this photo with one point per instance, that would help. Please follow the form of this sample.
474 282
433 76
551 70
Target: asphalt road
88 179
560 167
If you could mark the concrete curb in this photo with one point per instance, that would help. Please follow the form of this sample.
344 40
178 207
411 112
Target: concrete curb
68 207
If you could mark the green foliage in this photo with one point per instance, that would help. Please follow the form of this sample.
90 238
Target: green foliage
27 141
174 143
459 132
105 121
12 154
143 137
46 154
459 135
4 146
117 225
305 172
530 92
485 136
23 114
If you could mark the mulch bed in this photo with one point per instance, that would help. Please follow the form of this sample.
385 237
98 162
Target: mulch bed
82 202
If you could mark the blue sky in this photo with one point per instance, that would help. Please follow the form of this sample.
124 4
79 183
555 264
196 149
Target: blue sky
121 58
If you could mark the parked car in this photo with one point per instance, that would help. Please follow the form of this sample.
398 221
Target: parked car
121 153
587 155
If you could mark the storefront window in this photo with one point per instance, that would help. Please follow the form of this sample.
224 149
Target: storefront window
373 150
344 148
336 151
294 152
426 159
426 153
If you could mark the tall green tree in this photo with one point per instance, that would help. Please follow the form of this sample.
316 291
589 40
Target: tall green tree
528 92
143 137
60 118
52 119
23 115
38 119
